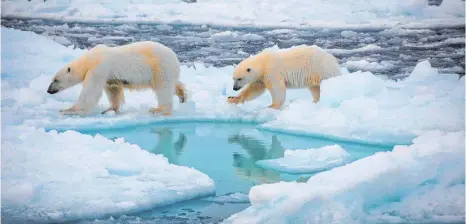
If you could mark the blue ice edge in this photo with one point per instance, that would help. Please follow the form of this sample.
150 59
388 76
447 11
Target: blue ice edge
406 140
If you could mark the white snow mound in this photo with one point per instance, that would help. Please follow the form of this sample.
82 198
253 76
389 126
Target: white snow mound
50 176
420 183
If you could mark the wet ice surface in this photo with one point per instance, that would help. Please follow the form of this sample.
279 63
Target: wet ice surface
393 52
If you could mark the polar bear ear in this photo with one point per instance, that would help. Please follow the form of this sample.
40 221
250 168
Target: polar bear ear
68 70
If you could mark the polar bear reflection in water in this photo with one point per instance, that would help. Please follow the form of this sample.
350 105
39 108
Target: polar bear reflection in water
165 145
173 143
245 166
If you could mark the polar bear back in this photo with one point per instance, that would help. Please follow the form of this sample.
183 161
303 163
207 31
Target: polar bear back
140 63
300 65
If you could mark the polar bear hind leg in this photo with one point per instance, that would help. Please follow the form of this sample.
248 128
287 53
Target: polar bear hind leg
180 91
115 96
314 86
165 100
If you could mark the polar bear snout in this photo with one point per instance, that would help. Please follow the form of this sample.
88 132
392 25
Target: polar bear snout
54 87
238 84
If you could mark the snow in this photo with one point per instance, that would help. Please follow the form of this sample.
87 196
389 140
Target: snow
321 13
449 41
365 65
235 36
308 160
423 182
50 176
367 48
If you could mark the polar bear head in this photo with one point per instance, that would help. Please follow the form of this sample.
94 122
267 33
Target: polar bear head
75 72
66 77
247 71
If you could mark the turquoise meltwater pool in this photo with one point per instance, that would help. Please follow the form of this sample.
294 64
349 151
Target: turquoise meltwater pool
227 153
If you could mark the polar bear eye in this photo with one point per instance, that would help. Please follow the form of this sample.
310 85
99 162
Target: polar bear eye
248 70
68 70
239 79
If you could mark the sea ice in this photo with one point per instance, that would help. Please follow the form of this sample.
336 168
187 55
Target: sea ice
308 160
50 176
423 182
295 13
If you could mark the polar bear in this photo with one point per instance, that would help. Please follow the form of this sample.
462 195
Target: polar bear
298 67
135 66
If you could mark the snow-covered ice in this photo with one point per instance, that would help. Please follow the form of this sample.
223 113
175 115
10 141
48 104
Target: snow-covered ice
50 176
235 36
328 13
308 160
420 183
365 65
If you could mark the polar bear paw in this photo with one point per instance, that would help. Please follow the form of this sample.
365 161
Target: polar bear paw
160 110
234 100
69 111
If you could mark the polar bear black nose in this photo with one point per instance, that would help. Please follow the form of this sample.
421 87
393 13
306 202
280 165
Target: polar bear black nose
236 88
51 89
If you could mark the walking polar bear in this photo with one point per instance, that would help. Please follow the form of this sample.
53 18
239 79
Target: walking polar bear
135 66
298 67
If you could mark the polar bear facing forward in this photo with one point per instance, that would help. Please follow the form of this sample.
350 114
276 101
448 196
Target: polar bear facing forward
298 67
135 66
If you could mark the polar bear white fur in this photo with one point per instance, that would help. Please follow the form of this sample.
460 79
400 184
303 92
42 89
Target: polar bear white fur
298 67
135 66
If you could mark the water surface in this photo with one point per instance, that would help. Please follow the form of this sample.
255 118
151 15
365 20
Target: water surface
227 153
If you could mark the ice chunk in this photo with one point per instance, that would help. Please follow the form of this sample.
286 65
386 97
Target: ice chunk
369 66
236 36
50 176
348 33
423 182
308 160
252 37
367 48
226 36
229 198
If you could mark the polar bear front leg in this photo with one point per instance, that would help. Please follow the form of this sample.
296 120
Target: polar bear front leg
277 88
115 97
91 92
165 100
251 92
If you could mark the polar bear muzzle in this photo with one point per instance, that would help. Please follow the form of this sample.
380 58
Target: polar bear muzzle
238 84
54 87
